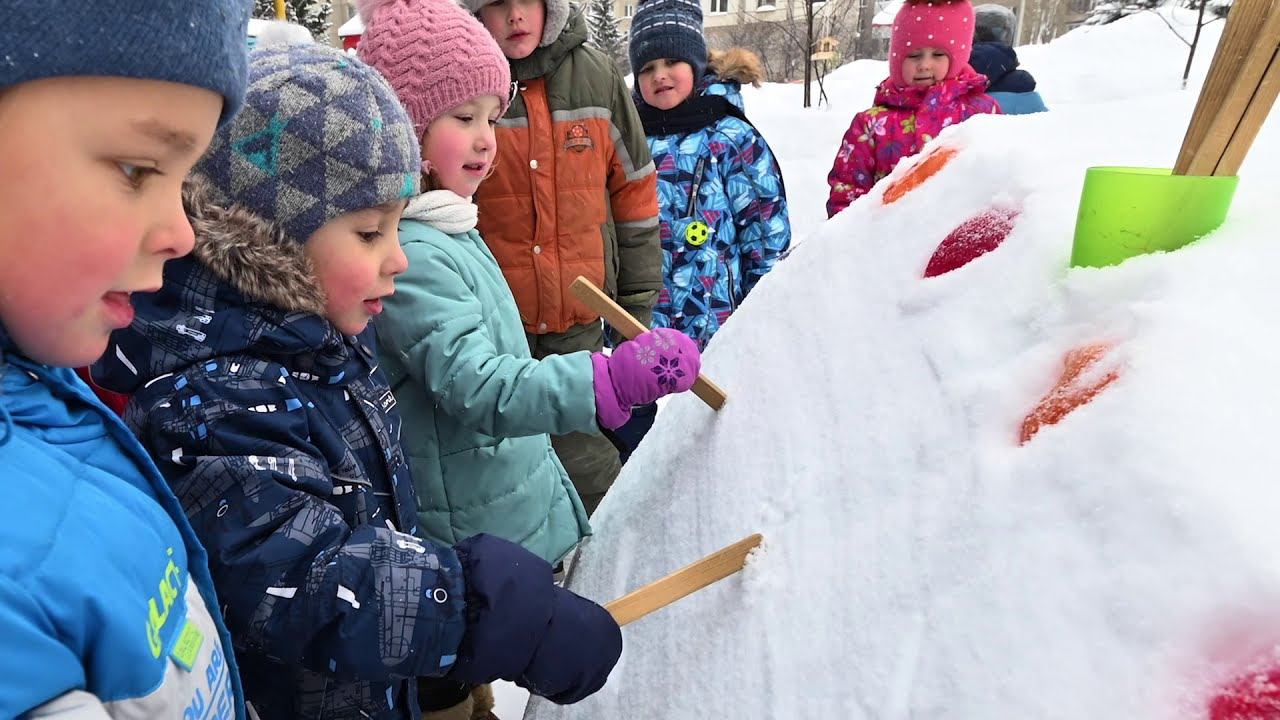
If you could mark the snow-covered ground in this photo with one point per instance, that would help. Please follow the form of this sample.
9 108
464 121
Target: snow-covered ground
920 562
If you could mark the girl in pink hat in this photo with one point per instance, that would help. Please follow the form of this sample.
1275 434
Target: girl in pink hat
930 87
478 409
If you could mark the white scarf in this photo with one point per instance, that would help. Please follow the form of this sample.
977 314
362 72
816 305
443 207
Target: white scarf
444 210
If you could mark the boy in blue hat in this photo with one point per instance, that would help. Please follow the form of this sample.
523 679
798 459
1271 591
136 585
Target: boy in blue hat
107 607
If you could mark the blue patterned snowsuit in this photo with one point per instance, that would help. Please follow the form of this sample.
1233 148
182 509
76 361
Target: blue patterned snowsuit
716 249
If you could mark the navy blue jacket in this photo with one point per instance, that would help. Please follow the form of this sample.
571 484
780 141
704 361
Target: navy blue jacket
280 437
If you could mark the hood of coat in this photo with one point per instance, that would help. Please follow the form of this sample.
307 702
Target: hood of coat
739 65
548 57
912 97
999 63
728 71
244 288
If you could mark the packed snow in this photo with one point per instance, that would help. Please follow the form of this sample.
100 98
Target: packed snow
919 562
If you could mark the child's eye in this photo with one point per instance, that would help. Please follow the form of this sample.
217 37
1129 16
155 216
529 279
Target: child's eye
493 122
135 174
463 118
370 237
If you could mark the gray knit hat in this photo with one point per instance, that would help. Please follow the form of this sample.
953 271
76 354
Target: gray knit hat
193 42
557 17
321 134
669 29
993 23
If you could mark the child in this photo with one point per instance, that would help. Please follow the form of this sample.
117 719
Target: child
930 87
106 604
479 407
572 193
994 56
723 206
255 386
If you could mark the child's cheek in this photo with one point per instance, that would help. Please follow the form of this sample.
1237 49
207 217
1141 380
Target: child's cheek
346 285
86 259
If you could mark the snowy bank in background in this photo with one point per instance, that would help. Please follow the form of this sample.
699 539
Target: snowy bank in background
919 561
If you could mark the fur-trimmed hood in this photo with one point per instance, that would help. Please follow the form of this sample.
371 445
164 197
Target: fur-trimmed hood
251 254
736 64
244 290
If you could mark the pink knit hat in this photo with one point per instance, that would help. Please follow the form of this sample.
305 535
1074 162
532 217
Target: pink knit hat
943 24
434 54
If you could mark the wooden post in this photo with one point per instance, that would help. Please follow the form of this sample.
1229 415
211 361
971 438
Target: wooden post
1244 55
685 581
594 298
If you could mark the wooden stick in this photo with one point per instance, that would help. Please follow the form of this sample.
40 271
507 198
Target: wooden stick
685 581
594 298
1259 107
1238 67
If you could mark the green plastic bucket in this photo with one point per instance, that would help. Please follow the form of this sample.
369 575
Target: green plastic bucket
1127 211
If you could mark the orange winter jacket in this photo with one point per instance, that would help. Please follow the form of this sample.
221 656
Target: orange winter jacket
574 190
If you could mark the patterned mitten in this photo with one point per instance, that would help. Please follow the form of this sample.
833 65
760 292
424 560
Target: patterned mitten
656 363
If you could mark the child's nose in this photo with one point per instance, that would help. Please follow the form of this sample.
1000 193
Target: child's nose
173 237
397 262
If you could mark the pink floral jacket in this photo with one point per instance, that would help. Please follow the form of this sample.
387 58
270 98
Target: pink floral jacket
901 122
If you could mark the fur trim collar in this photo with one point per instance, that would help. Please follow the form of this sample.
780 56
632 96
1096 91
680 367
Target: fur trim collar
251 254
737 64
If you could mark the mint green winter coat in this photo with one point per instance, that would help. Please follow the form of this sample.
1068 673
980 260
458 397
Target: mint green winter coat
478 409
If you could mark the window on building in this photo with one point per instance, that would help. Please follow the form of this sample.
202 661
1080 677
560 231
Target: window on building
766 5
719 6
628 10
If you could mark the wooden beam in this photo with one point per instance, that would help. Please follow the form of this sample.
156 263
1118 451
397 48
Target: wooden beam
1220 106
1254 116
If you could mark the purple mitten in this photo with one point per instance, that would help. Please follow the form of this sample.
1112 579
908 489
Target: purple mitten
656 363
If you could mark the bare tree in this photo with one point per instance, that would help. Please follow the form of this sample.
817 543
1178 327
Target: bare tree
783 43
1045 20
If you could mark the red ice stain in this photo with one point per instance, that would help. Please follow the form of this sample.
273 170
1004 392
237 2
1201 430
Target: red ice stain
973 238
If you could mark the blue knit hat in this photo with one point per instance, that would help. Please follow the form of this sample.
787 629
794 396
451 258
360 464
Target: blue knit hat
193 42
321 134
669 29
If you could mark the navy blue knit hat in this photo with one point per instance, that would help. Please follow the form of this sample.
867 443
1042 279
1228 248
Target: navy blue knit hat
321 134
193 42
670 29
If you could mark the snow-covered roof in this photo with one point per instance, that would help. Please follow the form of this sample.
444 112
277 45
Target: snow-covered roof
354 26
887 14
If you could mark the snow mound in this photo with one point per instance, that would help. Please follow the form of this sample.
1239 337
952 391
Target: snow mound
918 561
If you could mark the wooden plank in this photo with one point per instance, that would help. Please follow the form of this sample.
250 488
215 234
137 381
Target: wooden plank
685 581
1202 147
594 298
1254 116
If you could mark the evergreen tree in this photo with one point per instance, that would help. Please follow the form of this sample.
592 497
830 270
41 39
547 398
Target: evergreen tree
605 35
311 14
